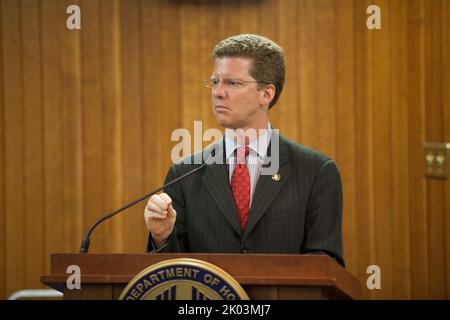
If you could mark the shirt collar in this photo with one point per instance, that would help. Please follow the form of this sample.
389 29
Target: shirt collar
259 146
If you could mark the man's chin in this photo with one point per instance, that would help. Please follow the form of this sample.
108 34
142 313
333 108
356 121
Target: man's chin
225 123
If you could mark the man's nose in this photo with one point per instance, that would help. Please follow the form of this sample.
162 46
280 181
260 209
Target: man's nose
219 91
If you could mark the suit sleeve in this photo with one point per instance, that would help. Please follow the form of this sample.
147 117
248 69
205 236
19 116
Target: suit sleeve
323 226
177 241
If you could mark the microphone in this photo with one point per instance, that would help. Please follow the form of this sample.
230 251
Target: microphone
84 248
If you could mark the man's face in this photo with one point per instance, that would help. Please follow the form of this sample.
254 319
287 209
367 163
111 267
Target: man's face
240 106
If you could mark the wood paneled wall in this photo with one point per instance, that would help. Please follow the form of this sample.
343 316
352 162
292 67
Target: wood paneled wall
86 119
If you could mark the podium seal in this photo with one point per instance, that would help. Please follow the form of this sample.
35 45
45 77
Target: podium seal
183 279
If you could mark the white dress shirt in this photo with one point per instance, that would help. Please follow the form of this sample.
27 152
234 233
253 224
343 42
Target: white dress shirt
255 158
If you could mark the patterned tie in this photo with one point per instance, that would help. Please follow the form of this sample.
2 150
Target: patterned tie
240 185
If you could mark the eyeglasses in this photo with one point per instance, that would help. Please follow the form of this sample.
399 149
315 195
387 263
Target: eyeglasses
232 84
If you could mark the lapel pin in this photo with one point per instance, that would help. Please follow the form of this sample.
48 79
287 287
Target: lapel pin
276 177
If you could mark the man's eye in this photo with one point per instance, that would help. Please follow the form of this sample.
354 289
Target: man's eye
214 82
233 83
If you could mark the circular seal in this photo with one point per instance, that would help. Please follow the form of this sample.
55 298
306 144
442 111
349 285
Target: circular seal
183 279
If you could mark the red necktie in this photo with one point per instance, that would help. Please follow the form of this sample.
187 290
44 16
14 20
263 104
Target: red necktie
240 185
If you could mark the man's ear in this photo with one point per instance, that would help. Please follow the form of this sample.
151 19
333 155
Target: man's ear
267 94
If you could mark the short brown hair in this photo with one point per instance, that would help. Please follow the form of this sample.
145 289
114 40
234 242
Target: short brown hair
267 57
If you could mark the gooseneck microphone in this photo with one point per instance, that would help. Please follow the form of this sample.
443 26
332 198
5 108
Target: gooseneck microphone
86 240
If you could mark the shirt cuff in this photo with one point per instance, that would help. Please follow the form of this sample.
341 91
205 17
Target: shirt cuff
154 250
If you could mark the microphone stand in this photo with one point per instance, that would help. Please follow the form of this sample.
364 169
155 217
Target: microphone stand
84 248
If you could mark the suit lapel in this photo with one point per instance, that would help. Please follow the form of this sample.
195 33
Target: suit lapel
266 190
216 181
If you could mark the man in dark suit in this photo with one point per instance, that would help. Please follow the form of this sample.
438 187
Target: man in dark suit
233 205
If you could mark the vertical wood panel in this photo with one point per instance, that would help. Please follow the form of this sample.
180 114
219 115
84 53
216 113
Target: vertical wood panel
249 16
269 19
190 71
307 64
416 114
33 157
170 86
51 22
325 108
446 132
72 156
132 124
364 141
381 160
401 273
92 123
434 114
154 171
14 139
287 105
228 19
111 112
2 171
345 125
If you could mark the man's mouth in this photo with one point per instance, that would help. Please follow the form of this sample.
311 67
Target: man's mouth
219 107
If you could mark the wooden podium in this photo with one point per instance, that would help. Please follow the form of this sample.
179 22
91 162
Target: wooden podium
263 276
